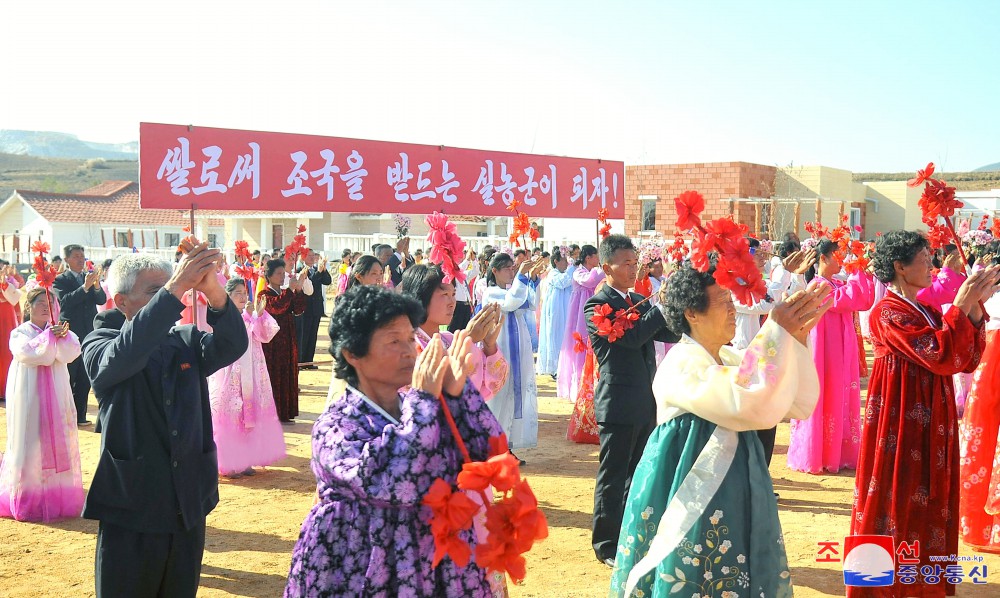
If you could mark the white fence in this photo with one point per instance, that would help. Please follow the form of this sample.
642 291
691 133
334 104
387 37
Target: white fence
334 244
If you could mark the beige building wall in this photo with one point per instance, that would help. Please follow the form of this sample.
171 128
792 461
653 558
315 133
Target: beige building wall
897 207
835 186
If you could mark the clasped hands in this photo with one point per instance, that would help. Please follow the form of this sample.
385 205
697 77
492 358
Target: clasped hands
439 368
197 270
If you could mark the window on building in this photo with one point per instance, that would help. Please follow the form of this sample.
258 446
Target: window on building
648 215
855 221
212 240
121 240
171 239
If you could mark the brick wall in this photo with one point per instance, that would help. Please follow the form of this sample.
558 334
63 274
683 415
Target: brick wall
716 181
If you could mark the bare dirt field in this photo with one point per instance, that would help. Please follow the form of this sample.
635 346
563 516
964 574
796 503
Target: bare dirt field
253 530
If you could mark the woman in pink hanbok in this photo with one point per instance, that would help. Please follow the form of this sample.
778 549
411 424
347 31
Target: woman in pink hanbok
831 438
425 283
10 296
245 422
587 275
40 476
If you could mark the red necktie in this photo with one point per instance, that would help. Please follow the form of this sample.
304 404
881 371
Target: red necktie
628 299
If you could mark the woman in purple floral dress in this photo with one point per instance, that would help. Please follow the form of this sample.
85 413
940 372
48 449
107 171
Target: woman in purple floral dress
376 452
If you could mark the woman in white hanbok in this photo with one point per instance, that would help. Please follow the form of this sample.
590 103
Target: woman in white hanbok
701 516
515 405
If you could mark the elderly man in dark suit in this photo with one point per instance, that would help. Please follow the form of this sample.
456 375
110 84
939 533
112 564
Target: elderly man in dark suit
157 474
315 309
623 396
79 293
399 261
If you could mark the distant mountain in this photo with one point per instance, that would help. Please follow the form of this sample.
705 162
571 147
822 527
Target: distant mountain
988 168
47 144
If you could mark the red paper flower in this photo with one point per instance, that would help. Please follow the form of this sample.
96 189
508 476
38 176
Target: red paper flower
245 272
605 231
690 205
513 206
579 346
938 200
514 525
500 471
451 512
45 273
995 229
186 229
922 176
984 223
242 250
938 235
447 246
302 228
533 233
602 214
40 247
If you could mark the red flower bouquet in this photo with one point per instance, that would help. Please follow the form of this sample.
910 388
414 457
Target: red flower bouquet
447 246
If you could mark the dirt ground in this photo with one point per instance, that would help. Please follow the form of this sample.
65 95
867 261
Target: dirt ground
252 532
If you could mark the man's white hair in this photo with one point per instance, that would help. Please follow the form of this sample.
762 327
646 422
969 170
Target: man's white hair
126 268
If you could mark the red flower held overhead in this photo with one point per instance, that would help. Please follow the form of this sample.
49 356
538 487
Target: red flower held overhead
938 200
40 247
938 235
690 205
922 176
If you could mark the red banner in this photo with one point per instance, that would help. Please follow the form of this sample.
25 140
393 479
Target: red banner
228 169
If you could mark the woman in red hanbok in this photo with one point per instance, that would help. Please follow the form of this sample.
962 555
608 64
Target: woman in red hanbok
282 354
907 483
979 505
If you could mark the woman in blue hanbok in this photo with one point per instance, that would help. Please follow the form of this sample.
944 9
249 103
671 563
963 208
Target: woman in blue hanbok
515 405
701 516
552 326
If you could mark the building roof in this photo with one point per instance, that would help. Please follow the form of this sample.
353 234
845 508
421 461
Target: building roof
113 202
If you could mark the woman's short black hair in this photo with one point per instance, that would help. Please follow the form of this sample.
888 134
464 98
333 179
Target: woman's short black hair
825 247
585 252
896 246
420 282
788 247
359 313
612 244
687 289
272 266
499 261
105 264
555 257
234 282
361 267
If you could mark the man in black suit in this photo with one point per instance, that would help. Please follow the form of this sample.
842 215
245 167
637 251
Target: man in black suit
308 325
79 293
623 397
157 474
400 261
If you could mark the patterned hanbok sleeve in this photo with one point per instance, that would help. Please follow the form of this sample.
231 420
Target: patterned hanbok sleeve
67 348
955 347
475 422
33 350
489 374
263 327
773 378
357 450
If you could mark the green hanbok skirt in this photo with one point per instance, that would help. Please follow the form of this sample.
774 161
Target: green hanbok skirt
721 538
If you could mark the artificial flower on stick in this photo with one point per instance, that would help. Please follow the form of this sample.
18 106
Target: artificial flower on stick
45 275
447 247
735 268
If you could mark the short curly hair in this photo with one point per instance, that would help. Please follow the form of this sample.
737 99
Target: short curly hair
687 289
896 246
359 313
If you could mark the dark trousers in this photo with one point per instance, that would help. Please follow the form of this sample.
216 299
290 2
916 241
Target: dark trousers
460 319
79 383
307 328
148 565
621 448
767 439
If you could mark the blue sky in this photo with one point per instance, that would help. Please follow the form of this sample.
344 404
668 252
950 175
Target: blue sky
866 86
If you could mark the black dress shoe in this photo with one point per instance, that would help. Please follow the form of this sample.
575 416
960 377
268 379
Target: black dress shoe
610 562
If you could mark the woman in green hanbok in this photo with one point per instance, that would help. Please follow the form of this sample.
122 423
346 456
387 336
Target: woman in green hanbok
701 517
